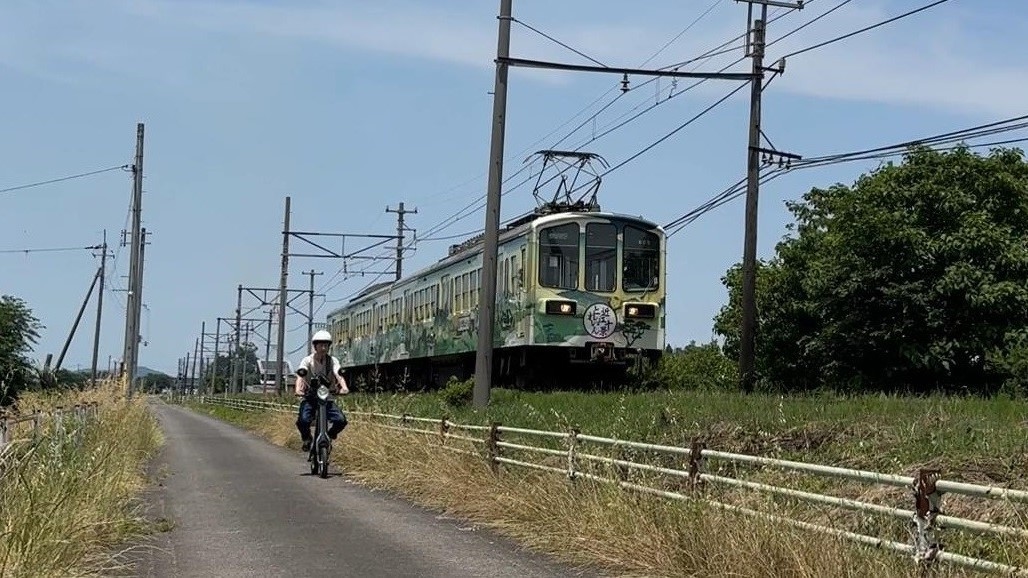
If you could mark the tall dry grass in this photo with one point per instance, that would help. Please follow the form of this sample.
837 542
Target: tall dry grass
584 523
69 499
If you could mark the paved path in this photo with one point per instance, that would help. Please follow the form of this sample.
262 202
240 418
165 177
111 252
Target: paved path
241 506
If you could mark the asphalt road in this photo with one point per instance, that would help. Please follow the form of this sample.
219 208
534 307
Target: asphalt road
241 506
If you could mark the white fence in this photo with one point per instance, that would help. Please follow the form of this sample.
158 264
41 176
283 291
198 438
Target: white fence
927 488
16 428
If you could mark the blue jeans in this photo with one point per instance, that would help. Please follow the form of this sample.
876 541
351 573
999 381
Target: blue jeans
308 413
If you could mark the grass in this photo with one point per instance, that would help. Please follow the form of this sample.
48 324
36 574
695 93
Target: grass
971 440
69 500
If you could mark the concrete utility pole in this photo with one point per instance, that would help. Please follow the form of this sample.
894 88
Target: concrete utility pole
486 317
280 347
756 42
99 308
399 236
487 303
131 350
235 353
75 325
310 304
203 340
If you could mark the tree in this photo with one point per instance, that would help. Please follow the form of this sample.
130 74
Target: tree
19 332
914 278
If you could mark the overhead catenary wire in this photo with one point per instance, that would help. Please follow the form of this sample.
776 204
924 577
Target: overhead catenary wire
865 29
476 205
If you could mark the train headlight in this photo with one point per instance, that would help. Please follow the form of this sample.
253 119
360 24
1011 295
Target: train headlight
640 311
561 307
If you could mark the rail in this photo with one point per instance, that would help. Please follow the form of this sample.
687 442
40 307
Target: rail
927 488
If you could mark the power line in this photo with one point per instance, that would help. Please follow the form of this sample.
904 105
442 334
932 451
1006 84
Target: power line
61 179
51 249
808 23
736 190
682 33
865 29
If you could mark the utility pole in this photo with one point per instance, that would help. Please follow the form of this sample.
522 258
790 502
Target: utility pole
282 296
75 325
99 307
135 269
203 339
487 304
310 300
217 356
755 43
399 236
192 371
237 350
246 339
267 345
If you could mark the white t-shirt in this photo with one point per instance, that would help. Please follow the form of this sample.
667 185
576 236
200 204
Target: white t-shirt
314 368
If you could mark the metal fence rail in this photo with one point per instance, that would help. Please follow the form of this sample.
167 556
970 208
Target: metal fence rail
927 487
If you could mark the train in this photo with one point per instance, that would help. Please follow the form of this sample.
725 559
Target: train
580 297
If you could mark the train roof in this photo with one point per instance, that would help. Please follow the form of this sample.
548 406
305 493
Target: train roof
473 245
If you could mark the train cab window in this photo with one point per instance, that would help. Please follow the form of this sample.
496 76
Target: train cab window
601 240
558 256
642 260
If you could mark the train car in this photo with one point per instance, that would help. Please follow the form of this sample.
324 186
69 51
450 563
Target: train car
580 296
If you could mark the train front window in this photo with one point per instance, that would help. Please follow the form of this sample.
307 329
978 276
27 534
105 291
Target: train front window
642 260
601 240
558 256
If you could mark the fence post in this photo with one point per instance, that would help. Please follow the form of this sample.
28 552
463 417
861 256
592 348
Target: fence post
572 448
494 450
4 425
80 423
444 427
696 465
927 506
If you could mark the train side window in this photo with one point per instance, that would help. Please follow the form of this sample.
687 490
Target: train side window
601 241
558 256
642 260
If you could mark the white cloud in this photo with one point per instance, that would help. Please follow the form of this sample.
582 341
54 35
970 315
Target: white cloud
929 59
936 59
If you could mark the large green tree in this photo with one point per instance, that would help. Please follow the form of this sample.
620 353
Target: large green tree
19 332
913 278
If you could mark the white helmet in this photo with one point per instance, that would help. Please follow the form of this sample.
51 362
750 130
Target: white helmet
322 335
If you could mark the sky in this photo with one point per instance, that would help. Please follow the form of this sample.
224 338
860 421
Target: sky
352 107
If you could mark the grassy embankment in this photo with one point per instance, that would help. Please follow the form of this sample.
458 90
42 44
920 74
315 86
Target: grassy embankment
68 501
971 440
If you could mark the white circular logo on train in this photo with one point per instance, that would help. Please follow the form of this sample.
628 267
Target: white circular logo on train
600 320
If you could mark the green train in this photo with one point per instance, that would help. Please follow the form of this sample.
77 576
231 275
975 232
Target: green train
580 295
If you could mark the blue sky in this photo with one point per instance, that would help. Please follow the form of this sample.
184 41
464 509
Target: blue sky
352 106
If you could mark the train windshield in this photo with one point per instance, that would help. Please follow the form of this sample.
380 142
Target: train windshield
601 240
558 256
642 260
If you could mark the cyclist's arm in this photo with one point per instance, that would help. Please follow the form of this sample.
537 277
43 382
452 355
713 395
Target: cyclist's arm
340 380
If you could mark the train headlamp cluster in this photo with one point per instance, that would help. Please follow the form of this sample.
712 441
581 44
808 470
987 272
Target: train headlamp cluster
561 307
640 311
